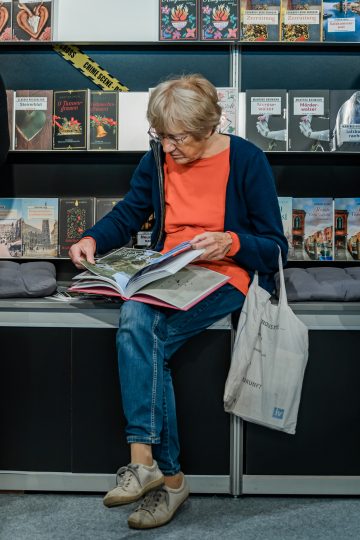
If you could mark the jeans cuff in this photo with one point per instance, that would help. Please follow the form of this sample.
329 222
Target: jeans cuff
143 440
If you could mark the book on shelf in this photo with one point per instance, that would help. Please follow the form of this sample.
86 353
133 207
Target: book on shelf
313 229
266 119
309 120
143 237
219 19
228 101
285 204
10 228
178 20
75 217
347 229
341 21
132 114
39 227
260 20
10 112
32 20
70 120
33 119
104 205
147 276
103 120
301 20
6 20
345 120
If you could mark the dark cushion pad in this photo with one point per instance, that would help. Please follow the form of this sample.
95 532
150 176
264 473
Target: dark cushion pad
30 280
329 284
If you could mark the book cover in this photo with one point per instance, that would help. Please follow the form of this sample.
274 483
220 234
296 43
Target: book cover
260 20
150 277
10 228
103 121
347 229
143 237
33 119
6 20
266 119
309 120
104 205
75 217
313 229
228 101
69 120
345 120
40 227
301 20
10 111
219 19
134 126
341 21
285 204
178 20
32 21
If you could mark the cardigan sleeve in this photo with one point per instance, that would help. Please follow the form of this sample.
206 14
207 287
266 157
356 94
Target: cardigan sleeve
259 248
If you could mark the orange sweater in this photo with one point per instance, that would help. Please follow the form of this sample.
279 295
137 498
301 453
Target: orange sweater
195 203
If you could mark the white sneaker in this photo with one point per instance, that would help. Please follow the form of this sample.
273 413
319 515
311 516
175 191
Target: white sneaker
133 481
158 507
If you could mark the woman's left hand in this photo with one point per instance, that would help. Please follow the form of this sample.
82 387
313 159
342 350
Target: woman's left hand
216 245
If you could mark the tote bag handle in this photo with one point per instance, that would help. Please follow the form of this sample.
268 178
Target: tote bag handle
282 295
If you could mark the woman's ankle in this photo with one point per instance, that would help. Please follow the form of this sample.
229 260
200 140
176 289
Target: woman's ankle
175 481
141 453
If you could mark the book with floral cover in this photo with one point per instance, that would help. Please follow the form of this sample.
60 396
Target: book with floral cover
75 217
301 20
228 101
219 19
147 276
32 21
260 20
103 120
69 120
178 20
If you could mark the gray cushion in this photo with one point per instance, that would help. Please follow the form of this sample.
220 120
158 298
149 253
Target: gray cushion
31 279
324 283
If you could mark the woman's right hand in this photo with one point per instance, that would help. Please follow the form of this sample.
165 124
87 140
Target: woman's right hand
84 249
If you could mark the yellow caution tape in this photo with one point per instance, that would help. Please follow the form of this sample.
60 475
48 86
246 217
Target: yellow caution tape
89 68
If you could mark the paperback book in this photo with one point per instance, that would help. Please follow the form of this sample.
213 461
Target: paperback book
10 111
6 20
75 217
345 120
40 227
266 119
33 119
103 121
313 229
148 276
309 120
70 120
10 228
260 20
301 20
219 19
285 204
228 101
178 20
341 21
143 237
104 205
32 21
347 229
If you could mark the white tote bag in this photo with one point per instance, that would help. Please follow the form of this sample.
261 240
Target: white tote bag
268 362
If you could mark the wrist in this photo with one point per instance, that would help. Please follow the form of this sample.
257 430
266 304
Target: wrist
235 244
90 238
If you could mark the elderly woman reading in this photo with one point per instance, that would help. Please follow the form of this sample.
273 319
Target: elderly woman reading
216 191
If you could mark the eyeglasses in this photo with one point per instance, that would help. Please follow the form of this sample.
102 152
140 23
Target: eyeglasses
173 139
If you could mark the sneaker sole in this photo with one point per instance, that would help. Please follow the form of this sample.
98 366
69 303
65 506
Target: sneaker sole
134 525
119 502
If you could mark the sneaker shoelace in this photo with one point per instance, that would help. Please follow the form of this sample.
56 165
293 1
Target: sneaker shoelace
125 474
152 500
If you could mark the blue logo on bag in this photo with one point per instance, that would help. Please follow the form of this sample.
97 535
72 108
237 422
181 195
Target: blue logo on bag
278 413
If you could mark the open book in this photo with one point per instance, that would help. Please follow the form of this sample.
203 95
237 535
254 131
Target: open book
151 277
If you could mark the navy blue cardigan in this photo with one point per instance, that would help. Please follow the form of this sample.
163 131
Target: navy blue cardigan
252 211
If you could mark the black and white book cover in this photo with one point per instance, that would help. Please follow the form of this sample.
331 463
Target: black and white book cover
309 120
266 119
345 120
10 228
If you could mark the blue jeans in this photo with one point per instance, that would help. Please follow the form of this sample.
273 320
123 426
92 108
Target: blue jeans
147 338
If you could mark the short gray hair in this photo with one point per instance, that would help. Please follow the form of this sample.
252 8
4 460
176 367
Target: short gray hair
189 103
